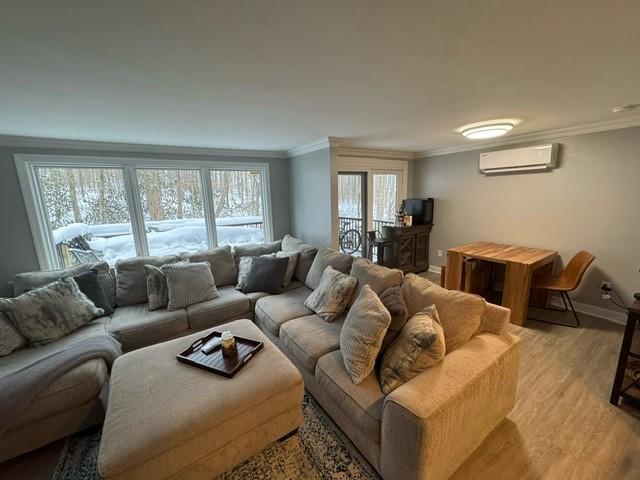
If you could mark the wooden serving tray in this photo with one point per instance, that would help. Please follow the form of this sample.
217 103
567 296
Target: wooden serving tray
215 362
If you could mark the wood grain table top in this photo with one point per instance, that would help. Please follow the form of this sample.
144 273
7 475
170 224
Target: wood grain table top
497 252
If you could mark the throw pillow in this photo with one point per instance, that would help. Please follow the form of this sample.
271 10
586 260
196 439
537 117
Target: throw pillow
89 284
305 260
420 345
50 312
266 275
131 286
379 278
223 265
323 259
107 278
460 313
189 283
10 338
244 265
362 334
157 289
331 297
292 257
393 301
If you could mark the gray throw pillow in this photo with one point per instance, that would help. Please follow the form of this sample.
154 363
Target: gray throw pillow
362 334
330 299
393 301
223 264
10 338
266 275
157 289
189 283
292 257
419 346
50 312
90 284
324 258
131 286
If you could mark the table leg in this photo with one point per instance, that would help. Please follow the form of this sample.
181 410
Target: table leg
622 358
455 264
517 284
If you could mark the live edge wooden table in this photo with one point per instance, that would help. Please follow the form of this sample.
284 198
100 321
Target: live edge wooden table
520 263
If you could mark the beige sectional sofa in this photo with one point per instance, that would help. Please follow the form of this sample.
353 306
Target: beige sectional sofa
423 430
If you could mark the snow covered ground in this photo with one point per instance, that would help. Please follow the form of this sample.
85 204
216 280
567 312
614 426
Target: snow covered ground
115 241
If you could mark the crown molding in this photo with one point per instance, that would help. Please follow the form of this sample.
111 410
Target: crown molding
41 142
536 136
345 151
319 144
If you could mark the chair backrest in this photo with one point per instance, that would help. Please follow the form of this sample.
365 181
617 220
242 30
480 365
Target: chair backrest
572 274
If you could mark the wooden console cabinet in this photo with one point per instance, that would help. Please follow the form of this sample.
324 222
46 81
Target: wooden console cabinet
409 248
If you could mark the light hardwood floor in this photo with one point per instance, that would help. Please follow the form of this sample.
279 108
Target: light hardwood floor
562 426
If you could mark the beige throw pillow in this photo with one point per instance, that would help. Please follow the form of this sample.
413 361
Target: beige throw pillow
189 283
419 346
460 313
362 334
331 297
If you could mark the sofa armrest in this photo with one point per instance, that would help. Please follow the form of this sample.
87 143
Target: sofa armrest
431 424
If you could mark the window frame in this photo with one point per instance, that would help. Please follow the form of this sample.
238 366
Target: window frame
27 164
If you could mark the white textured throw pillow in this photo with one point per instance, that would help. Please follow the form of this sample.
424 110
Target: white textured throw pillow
362 334
331 297
189 283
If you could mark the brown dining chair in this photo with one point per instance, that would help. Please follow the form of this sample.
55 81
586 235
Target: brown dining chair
567 281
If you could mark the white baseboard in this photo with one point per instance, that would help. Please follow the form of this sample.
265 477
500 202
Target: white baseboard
594 311
435 269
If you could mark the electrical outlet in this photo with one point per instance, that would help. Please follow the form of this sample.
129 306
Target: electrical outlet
605 285
439 253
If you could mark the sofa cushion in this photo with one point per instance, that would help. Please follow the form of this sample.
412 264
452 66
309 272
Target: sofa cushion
362 403
254 297
24 282
10 338
324 258
256 249
223 265
309 338
76 387
230 304
305 259
459 312
272 311
379 278
419 346
135 326
131 281
50 312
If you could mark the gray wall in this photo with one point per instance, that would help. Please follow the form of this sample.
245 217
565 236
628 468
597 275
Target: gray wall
591 202
17 251
310 196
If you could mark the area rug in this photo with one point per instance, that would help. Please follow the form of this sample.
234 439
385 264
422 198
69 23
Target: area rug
319 451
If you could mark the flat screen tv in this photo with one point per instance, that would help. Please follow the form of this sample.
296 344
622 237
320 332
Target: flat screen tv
421 209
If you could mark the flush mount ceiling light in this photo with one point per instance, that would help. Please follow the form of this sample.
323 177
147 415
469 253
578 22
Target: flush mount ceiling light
491 130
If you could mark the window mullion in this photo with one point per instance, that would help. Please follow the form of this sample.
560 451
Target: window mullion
209 208
135 211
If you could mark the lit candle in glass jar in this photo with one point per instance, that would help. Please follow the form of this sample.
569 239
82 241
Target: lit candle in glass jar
228 344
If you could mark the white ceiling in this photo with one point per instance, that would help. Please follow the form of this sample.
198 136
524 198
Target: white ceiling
279 74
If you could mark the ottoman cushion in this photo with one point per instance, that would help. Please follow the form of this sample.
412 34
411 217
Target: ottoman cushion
169 419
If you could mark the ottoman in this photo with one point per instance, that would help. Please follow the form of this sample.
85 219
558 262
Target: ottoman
166 419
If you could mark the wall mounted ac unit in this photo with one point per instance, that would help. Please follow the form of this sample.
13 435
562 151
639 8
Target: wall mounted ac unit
539 157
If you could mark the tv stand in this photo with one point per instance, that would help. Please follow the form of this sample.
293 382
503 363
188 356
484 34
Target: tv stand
408 249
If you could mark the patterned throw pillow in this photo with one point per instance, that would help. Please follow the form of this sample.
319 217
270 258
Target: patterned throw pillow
244 265
331 297
419 346
189 283
362 334
291 267
10 338
157 290
50 312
